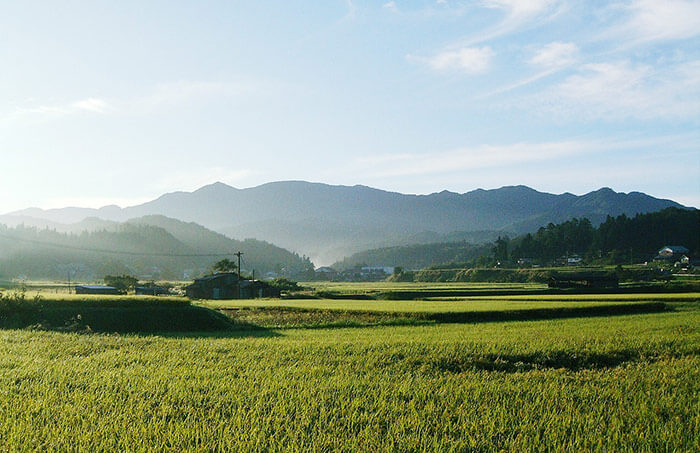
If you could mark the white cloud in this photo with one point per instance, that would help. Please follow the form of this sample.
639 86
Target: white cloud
390 6
472 60
556 55
92 105
619 90
521 9
652 20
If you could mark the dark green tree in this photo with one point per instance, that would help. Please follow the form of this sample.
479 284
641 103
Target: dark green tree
225 265
121 282
500 249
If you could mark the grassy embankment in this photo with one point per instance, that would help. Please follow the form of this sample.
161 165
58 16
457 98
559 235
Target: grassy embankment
617 381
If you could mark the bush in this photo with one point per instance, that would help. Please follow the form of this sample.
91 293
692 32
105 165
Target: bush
284 284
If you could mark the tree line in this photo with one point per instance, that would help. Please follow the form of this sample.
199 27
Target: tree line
618 240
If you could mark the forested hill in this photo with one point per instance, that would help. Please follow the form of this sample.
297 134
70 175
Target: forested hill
149 247
415 256
620 239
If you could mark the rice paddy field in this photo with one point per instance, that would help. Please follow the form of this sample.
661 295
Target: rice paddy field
501 373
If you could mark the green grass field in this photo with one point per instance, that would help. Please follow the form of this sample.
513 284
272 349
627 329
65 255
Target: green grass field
608 377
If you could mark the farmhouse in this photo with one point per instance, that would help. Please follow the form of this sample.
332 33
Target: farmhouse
96 289
225 285
325 273
672 253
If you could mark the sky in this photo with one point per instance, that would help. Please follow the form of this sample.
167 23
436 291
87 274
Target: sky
105 102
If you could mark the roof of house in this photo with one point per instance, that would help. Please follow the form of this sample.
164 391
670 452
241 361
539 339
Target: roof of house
215 276
675 249
325 269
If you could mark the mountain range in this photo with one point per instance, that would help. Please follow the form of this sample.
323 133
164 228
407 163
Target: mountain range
328 222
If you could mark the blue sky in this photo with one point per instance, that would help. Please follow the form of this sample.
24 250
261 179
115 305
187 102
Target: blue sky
107 102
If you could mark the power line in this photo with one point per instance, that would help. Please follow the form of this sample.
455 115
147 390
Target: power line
116 252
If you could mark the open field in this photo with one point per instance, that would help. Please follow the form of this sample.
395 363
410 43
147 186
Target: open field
455 291
473 303
388 286
619 374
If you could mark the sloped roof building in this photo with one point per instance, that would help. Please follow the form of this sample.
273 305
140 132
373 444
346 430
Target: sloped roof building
225 285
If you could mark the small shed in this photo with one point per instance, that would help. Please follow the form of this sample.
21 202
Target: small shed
151 291
96 289
584 280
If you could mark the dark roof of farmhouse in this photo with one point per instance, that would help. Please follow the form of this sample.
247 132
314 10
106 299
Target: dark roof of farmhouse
95 287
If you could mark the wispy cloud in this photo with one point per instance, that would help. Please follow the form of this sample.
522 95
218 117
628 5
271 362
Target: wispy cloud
166 95
503 156
467 158
552 58
92 105
654 20
620 90
351 9
471 60
518 13
556 55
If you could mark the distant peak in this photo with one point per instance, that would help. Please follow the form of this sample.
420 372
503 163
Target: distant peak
215 186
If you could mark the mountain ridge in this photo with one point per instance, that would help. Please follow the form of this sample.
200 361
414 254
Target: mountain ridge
328 222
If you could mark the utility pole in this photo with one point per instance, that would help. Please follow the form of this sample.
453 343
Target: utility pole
238 254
